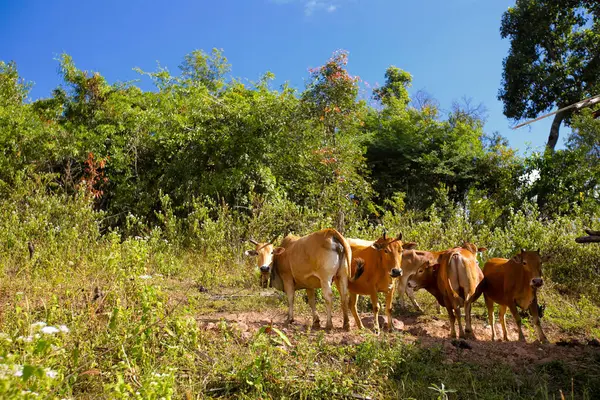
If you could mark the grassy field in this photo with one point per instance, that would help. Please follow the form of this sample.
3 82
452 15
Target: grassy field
141 319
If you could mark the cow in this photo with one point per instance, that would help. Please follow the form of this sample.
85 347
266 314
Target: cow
452 278
380 261
308 262
411 261
512 283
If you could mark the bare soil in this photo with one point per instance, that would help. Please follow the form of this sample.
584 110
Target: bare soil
426 331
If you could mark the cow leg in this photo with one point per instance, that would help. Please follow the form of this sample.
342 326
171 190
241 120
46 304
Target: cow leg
411 296
490 309
517 317
402 288
289 291
468 327
353 301
313 306
375 304
533 310
461 332
328 296
388 308
342 286
452 319
502 317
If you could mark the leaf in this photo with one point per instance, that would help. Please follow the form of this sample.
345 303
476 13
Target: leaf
282 336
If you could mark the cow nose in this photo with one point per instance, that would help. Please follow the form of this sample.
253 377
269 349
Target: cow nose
395 273
537 282
264 269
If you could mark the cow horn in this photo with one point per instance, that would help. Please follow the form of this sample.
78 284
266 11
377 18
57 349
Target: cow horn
254 242
399 236
384 233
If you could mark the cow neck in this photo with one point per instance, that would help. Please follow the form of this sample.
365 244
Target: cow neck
522 278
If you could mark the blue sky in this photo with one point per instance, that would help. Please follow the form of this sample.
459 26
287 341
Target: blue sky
452 48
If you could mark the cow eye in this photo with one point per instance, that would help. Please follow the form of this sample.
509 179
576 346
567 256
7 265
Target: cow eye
386 250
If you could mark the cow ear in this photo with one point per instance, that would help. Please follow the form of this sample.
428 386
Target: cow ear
482 249
278 250
409 246
376 246
399 236
250 253
435 267
518 259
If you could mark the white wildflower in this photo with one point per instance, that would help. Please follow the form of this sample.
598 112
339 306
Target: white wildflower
63 329
38 324
51 373
17 370
26 392
26 339
50 330
145 276
19 293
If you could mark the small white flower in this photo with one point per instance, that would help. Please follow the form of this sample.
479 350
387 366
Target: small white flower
63 329
153 383
70 263
26 339
38 324
50 330
26 392
145 276
18 370
19 293
51 373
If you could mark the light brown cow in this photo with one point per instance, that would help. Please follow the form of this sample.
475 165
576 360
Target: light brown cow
309 262
512 283
411 261
381 261
452 279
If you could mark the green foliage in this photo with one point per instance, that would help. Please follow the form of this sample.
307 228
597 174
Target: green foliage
553 59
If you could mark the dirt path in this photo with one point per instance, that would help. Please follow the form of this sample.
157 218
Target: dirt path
427 331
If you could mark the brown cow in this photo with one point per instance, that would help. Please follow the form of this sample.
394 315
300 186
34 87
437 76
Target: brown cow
452 279
411 261
381 261
512 283
309 262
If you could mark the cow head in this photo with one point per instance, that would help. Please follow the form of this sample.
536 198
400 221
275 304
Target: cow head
391 253
264 253
425 275
532 264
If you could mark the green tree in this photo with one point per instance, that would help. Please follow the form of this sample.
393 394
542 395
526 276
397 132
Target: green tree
554 58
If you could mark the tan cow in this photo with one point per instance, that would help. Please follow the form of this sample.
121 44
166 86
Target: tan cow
381 261
512 283
411 261
452 279
309 262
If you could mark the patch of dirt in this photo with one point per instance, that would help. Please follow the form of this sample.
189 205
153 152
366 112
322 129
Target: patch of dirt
426 331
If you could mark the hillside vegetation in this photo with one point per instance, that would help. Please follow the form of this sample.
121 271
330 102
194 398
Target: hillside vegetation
124 215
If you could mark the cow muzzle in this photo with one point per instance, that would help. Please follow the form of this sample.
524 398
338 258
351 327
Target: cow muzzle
264 269
537 282
396 273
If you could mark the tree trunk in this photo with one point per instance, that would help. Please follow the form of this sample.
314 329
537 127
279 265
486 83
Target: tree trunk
553 137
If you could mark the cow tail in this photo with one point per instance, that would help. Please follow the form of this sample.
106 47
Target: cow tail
360 268
346 253
479 291
454 257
